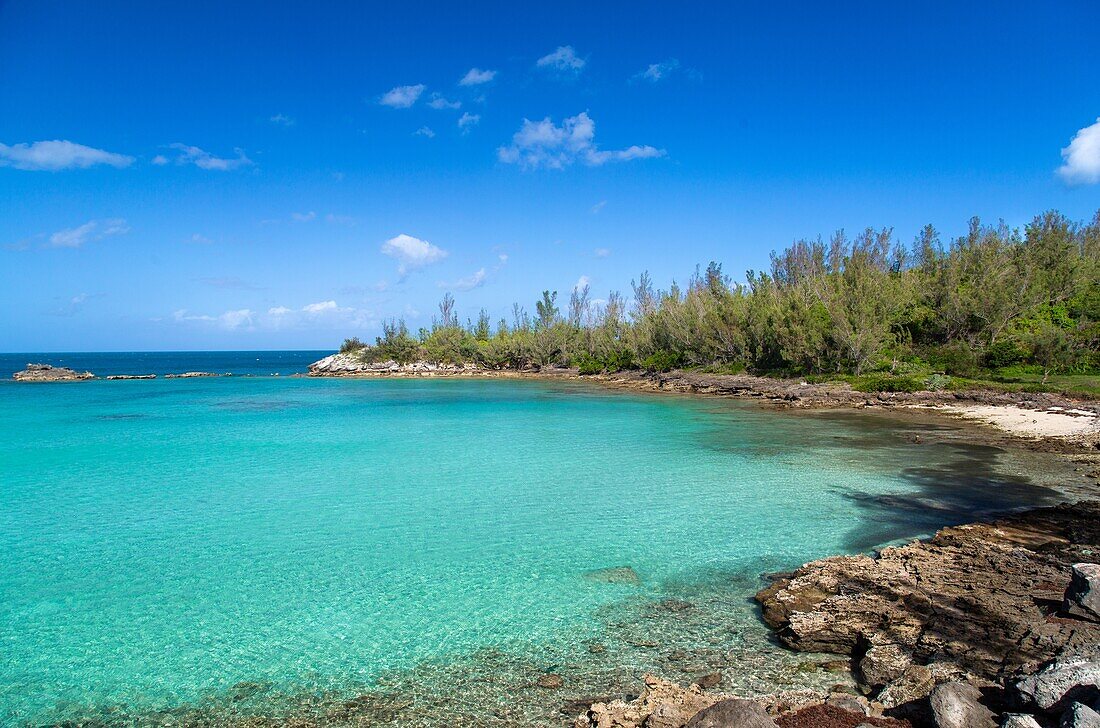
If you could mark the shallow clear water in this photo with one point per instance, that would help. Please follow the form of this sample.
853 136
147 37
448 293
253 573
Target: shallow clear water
166 542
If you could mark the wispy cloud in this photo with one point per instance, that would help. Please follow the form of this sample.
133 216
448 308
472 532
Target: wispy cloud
468 120
303 216
333 219
440 102
51 156
90 231
657 71
402 97
470 282
563 60
424 132
544 144
199 239
476 77
231 320
282 120
412 253
205 160
601 252
598 206
1081 159
75 304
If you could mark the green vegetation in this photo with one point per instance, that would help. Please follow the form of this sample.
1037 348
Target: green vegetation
996 307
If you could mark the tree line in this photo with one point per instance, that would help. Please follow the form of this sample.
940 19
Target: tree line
993 298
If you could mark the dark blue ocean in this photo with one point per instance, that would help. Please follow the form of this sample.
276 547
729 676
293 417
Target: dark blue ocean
102 364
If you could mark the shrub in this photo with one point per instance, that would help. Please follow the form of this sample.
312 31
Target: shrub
661 361
352 344
887 383
1004 353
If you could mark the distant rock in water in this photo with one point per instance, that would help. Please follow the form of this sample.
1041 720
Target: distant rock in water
50 373
131 376
614 575
190 375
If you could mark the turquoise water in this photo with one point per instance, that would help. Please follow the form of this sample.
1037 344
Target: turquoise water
166 542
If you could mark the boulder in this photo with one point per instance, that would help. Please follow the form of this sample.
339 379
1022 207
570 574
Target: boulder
1080 715
1058 684
915 683
884 663
1019 720
956 705
1083 594
732 713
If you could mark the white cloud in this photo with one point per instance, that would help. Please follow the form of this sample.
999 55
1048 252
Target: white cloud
564 59
199 239
320 307
54 155
90 231
412 253
439 102
544 144
581 283
476 77
1081 159
339 219
278 311
160 160
282 120
601 252
402 97
598 206
471 282
303 216
467 120
233 319
657 71
424 132
205 160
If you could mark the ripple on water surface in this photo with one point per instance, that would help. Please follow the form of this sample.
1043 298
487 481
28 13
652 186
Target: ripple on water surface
238 546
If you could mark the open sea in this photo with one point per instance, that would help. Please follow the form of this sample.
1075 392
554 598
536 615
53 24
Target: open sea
210 550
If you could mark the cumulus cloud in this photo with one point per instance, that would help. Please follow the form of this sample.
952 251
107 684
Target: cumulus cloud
582 283
320 307
544 144
1081 159
90 231
476 77
278 311
412 253
468 120
282 120
402 97
424 132
564 60
51 156
440 102
205 160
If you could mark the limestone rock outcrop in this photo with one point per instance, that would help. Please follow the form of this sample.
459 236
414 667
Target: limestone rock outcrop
50 373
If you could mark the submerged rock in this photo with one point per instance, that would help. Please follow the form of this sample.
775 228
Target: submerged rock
50 373
131 376
550 681
614 575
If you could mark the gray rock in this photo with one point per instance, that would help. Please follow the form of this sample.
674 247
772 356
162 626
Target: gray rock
885 663
1080 715
915 683
1019 720
854 703
732 713
1083 595
1059 683
956 705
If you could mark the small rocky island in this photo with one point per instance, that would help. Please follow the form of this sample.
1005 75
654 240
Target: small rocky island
50 373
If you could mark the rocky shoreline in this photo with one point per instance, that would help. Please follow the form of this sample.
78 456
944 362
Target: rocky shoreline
983 625
50 373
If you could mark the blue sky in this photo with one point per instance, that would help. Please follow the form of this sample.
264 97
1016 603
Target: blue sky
236 175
